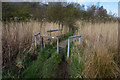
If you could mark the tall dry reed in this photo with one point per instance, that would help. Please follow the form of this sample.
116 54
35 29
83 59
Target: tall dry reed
17 38
100 47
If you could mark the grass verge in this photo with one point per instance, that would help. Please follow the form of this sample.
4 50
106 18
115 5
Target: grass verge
76 64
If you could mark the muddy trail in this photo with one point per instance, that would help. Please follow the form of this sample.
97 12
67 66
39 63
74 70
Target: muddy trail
62 70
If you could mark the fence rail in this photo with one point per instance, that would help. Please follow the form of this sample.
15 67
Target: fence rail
69 43
37 34
50 37
54 30
74 36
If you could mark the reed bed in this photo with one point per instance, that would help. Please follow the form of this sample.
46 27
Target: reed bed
99 47
18 38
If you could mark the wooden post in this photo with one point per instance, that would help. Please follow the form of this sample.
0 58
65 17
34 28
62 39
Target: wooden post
42 44
50 33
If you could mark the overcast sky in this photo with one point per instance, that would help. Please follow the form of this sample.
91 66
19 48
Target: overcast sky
111 7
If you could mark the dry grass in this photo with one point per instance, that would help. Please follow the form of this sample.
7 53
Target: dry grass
100 48
101 64
18 38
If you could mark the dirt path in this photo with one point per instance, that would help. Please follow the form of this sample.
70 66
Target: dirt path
62 71
63 44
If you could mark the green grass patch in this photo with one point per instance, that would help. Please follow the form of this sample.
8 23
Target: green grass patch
50 66
66 37
45 65
35 69
76 65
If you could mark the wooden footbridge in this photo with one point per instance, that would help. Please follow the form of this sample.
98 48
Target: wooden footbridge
62 70
59 44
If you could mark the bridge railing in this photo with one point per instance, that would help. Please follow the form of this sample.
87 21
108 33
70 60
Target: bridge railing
51 38
69 43
38 34
54 31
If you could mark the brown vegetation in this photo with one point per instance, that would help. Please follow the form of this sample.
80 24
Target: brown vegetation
18 38
100 48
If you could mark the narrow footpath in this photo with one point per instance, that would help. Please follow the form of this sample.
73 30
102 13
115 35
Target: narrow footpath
62 70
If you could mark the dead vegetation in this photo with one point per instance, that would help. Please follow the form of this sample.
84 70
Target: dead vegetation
18 38
99 48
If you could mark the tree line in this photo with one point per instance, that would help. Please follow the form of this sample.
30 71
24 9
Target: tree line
57 12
